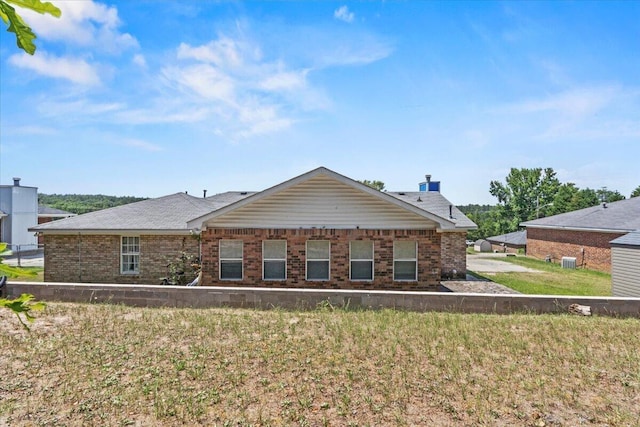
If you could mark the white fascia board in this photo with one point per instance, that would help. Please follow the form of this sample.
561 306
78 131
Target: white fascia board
568 228
113 232
199 222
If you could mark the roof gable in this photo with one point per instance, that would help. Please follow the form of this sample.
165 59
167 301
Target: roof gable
322 198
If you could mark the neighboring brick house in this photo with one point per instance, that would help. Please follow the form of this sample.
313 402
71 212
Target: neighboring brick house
584 234
318 230
509 243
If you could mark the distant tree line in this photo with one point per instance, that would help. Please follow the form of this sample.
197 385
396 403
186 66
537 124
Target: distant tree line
83 203
528 194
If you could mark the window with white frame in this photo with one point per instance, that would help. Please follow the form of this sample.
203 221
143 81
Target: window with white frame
318 259
274 259
130 255
361 260
405 261
230 259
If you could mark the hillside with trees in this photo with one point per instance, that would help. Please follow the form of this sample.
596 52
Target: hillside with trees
83 203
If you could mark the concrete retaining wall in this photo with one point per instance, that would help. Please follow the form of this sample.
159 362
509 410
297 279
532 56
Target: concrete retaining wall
201 297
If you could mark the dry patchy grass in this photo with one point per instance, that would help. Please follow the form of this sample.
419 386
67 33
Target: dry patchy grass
115 365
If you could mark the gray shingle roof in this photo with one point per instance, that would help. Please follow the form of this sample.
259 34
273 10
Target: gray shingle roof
623 215
173 212
168 213
517 238
435 203
631 239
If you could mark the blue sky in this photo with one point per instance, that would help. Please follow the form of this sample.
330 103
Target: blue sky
149 98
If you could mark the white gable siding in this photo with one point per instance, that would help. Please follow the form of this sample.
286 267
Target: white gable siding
321 202
625 271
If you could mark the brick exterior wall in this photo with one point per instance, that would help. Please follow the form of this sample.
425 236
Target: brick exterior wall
558 243
434 257
454 255
96 258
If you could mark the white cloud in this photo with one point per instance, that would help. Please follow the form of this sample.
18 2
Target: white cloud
286 80
240 90
203 80
163 114
580 114
575 103
343 14
33 130
139 60
83 23
78 108
138 143
74 70
224 52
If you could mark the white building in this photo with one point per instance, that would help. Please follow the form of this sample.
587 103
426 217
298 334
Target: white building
18 212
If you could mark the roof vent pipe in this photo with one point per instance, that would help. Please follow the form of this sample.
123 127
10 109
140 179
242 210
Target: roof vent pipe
16 182
450 211
428 178
204 194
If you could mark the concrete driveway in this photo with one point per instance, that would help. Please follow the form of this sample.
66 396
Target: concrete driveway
491 263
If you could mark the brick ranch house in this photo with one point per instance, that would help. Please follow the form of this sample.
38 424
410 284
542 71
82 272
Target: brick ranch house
318 230
584 234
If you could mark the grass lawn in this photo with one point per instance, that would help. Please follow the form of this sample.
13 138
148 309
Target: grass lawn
553 279
115 365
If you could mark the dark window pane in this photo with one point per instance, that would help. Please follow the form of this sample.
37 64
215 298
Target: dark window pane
231 270
274 270
361 270
404 270
317 270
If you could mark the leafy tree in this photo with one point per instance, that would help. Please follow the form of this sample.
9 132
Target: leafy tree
526 195
570 198
636 192
24 35
608 195
484 217
584 198
378 185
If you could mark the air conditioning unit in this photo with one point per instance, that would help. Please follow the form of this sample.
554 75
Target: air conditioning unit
568 262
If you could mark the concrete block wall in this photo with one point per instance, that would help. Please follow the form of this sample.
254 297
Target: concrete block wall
430 262
96 258
591 249
296 299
